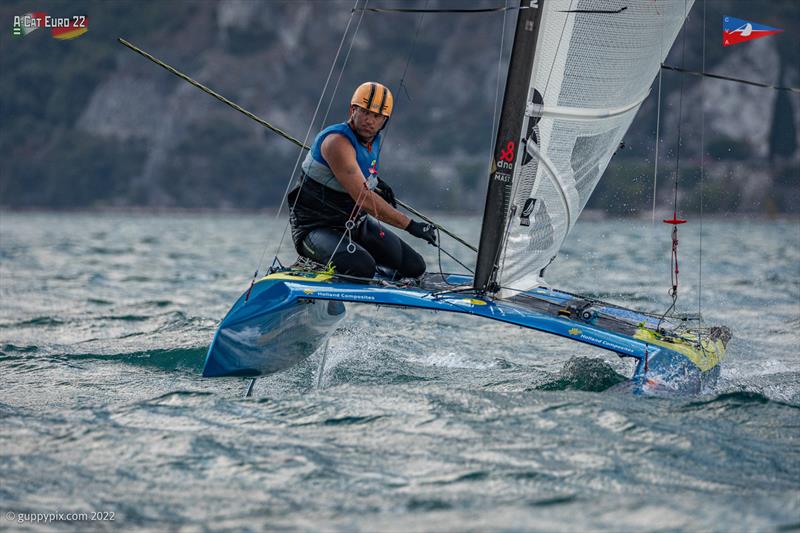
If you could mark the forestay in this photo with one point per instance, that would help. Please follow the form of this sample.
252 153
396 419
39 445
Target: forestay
593 66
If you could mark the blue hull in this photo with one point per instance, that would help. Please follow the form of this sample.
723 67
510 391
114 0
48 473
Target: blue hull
288 315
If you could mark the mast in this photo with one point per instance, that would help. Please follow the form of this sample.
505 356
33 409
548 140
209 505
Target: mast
515 97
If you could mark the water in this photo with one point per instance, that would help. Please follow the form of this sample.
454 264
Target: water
418 421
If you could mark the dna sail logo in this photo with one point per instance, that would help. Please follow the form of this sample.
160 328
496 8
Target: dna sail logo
735 31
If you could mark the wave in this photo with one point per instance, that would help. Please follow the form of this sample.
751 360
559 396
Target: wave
736 399
162 358
585 374
9 348
37 321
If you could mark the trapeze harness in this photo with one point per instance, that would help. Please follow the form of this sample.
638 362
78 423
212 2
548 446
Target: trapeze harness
328 226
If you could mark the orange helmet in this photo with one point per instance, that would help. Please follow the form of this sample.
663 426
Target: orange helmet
374 97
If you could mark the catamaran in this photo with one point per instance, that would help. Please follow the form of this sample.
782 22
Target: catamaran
579 72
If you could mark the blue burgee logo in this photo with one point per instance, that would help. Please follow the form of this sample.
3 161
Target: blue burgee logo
735 31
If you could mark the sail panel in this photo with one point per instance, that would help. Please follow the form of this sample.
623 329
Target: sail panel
498 195
593 66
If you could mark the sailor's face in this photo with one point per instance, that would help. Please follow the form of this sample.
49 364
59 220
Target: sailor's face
366 123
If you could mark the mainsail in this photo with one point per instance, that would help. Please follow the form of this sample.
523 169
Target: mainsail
592 67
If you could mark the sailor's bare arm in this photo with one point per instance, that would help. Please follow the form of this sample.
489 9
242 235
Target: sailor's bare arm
341 156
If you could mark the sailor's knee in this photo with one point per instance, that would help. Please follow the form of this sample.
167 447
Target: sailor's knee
413 265
359 264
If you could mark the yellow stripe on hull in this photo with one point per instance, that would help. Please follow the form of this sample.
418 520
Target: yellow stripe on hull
299 276
705 355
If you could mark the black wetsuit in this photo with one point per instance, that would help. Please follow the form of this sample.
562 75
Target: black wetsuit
319 221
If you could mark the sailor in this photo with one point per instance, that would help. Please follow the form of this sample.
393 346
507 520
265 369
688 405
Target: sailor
341 209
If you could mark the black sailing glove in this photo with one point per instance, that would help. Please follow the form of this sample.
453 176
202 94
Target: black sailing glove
386 192
422 230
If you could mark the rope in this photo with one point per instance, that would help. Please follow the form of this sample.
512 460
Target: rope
705 74
364 194
285 135
350 225
483 10
680 122
658 135
308 132
702 171
658 128
425 10
597 11
359 202
401 84
495 111
206 90
436 225
675 221
497 88
341 72
439 255
558 48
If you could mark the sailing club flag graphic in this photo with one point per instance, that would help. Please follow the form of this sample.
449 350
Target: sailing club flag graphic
60 27
735 31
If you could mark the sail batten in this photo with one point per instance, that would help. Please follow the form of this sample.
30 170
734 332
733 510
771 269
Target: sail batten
537 110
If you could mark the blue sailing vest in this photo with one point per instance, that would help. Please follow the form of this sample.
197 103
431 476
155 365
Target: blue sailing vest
316 168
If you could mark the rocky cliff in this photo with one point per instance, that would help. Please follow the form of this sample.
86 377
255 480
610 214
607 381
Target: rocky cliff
88 123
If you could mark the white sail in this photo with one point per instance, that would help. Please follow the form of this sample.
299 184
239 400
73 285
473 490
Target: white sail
594 63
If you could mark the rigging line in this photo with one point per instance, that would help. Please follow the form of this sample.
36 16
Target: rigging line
596 302
495 118
269 126
495 114
680 121
399 202
590 301
705 74
658 131
503 250
497 87
341 71
304 144
451 256
558 48
280 132
598 11
401 84
436 295
658 128
454 10
674 256
350 225
439 256
436 225
702 171
411 53
209 91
